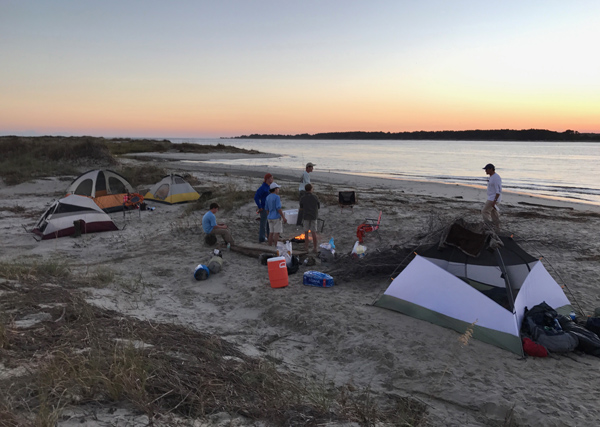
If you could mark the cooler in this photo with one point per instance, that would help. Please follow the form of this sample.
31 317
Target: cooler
278 273
291 216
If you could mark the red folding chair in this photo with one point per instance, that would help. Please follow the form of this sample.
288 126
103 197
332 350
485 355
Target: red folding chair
370 225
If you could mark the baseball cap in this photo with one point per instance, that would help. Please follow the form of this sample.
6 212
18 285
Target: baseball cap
310 164
274 185
489 166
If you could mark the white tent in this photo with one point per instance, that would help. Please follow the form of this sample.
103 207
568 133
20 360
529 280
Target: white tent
172 189
427 291
59 219
97 183
106 187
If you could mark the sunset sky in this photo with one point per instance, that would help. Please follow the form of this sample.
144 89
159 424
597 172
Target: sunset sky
156 68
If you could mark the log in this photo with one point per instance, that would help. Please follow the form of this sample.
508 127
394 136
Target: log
255 249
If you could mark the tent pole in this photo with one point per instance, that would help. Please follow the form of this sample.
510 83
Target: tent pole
509 290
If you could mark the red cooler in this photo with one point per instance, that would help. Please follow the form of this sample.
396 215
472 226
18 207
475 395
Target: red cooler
278 274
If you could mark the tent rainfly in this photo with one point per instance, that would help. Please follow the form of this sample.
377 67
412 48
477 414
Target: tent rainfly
106 187
59 219
447 287
172 189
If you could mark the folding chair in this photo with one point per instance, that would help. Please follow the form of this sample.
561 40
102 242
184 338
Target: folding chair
131 202
347 199
370 225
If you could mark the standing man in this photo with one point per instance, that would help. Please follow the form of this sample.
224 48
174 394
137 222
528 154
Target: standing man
310 204
302 188
490 212
210 226
275 214
259 199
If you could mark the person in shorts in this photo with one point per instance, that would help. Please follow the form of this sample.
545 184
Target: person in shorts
275 215
210 226
310 204
302 188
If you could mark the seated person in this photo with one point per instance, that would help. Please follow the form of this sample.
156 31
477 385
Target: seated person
210 226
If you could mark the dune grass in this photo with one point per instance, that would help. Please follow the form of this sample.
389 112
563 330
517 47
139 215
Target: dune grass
88 355
27 158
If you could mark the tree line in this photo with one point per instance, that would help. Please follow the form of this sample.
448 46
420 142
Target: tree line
462 135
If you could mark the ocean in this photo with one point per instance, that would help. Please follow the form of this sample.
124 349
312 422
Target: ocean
561 170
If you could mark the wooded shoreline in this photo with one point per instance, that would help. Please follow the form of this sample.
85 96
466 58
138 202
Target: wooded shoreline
464 135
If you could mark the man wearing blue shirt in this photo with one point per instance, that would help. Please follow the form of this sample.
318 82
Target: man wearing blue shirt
210 226
275 214
259 199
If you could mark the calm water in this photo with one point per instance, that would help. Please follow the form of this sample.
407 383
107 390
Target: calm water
560 170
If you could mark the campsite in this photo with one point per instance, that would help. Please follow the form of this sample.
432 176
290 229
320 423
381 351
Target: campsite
336 336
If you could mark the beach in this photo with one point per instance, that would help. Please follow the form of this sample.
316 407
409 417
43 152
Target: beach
336 334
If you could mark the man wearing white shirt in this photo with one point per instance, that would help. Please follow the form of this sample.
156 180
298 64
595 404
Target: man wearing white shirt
490 213
302 188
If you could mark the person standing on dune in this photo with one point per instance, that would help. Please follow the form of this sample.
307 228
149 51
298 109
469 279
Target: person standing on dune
490 212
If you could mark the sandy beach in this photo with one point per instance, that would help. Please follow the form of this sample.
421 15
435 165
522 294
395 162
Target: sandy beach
336 334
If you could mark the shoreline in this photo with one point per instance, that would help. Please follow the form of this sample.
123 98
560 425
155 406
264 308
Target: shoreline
209 162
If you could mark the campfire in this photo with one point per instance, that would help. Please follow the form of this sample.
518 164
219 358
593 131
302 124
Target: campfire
299 238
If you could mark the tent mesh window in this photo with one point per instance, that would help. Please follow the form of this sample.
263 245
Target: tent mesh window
85 188
100 184
162 192
116 185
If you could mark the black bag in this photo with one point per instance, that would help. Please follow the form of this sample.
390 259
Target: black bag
589 342
542 315
295 265
541 324
593 324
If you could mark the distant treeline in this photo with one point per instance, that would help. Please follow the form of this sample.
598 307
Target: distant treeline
461 135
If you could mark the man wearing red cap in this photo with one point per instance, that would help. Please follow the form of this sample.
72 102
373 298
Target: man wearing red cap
259 198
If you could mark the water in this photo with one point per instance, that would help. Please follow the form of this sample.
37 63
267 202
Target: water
565 171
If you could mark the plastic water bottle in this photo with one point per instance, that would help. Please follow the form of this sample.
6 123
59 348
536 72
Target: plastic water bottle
573 316
228 246
557 325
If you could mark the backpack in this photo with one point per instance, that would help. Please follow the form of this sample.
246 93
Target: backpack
542 326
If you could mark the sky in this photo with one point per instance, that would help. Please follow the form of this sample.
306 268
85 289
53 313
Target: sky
220 68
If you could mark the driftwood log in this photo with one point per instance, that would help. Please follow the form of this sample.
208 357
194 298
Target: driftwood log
255 249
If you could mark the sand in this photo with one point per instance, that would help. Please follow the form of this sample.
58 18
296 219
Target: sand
336 333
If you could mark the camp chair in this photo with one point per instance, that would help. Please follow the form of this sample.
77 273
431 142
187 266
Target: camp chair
370 225
131 202
347 199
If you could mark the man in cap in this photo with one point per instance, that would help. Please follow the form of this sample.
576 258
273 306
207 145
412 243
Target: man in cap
275 215
259 198
490 212
302 188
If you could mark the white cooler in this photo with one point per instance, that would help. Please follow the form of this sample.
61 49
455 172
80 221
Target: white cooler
291 216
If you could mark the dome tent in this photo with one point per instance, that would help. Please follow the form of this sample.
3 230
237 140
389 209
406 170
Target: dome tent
59 219
105 187
466 281
172 189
